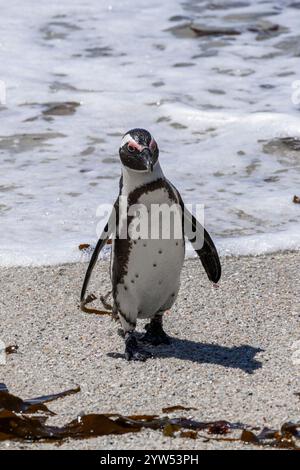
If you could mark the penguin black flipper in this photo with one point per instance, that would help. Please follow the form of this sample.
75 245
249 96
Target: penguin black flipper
109 228
207 253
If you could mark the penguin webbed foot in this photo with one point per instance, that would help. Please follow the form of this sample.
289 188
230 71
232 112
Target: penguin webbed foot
155 333
132 350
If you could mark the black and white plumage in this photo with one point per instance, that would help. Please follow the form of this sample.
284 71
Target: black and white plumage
145 271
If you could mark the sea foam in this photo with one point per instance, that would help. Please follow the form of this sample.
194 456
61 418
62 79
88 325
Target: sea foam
224 109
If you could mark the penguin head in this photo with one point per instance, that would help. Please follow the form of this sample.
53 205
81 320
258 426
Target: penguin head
138 150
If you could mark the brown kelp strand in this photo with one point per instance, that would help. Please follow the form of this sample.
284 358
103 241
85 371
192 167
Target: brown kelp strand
87 246
12 403
83 246
52 397
12 349
171 409
90 298
27 420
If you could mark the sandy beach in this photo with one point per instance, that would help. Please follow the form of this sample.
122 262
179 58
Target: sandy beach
233 354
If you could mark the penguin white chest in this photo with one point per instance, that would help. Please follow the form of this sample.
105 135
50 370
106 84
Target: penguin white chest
151 280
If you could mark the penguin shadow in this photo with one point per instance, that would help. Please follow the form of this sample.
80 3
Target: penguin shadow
237 357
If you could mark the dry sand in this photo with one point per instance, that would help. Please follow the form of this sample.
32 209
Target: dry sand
233 354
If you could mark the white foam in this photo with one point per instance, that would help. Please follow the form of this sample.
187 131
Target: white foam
211 120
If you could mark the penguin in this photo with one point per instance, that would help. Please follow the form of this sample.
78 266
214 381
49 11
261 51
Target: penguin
145 267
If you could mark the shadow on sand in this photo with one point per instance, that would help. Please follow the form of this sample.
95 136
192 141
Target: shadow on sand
237 357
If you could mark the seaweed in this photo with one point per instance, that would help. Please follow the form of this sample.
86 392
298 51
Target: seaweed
83 246
170 409
90 298
87 246
10 403
12 349
53 396
26 420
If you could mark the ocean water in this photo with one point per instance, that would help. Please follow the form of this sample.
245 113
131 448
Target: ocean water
215 82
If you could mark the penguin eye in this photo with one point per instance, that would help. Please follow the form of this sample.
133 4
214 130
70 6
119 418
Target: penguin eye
131 148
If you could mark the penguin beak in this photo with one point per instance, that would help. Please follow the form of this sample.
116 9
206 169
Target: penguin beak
147 160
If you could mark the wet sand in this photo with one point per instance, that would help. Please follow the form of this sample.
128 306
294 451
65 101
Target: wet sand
233 355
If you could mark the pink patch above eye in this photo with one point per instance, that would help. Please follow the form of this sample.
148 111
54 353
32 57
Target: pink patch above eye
134 145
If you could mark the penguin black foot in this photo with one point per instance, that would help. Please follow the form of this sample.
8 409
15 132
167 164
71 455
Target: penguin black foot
132 351
155 334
